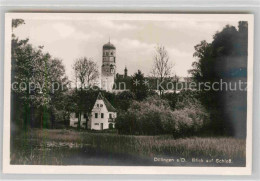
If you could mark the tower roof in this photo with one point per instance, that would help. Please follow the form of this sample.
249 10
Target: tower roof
109 46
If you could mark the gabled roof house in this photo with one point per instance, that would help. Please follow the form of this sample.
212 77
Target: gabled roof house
102 115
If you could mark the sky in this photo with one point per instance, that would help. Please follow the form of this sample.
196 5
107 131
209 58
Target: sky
135 41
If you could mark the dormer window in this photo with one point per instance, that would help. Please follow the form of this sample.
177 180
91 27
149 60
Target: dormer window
101 105
97 105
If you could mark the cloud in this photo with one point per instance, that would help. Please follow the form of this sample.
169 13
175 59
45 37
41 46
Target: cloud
88 36
177 52
134 44
198 26
181 61
63 30
117 26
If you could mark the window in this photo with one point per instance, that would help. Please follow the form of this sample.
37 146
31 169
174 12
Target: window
107 53
102 115
101 105
96 115
85 115
77 115
111 53
110 116
96 124
97 105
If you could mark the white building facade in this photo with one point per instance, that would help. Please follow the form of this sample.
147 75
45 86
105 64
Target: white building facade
102 116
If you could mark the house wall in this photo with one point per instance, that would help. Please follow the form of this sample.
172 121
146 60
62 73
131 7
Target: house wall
74 120
96 122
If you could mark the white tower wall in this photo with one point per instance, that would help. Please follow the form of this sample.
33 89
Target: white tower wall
108 69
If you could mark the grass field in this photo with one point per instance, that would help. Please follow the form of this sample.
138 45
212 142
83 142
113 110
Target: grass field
70 147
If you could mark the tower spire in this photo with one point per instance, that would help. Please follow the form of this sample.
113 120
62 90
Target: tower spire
125 75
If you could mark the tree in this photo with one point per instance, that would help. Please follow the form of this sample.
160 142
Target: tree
139 86
17 22
225 58
59 103
124 100
86 72
162 67
38 73
34 76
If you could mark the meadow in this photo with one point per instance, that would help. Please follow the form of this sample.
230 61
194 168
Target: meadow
71 147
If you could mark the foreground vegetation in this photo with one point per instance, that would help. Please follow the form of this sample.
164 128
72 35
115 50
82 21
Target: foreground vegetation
154 116
65 147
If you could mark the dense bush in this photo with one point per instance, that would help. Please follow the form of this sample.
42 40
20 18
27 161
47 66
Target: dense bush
171 98
144 117
189 121
155 116
124 100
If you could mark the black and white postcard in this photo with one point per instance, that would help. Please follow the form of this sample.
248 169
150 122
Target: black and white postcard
107 93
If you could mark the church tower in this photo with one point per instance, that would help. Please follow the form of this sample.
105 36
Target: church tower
108 69
125 72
